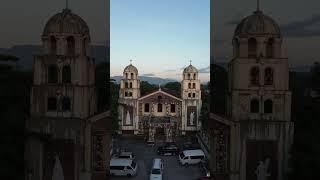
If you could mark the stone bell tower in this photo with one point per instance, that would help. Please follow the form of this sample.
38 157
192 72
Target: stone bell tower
128 100
62 99
191 96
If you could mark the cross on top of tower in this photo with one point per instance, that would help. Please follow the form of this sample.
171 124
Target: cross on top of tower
130 61
67 4
159 87
190 61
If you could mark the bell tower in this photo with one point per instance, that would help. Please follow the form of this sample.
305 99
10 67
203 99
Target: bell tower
129 94
191 96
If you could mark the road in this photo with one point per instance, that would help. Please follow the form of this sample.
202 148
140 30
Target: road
144 156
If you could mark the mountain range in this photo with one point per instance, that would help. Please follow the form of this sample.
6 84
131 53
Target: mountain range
26 53
149 79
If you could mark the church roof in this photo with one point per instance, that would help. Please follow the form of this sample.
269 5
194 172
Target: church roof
162 92
257 24
131 68
190 69
66 22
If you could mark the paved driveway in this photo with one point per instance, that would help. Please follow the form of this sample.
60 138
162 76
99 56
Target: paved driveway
144 156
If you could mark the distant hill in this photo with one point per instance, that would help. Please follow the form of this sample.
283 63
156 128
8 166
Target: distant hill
151 80
26 54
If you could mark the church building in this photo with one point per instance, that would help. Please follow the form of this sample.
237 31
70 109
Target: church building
252 139
159 114
67 138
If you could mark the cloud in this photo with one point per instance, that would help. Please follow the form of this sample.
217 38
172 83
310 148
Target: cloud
204 70
302 28
149 74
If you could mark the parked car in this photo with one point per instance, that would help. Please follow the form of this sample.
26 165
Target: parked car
156 170
123 167
127 155
168 149
190 146
187 157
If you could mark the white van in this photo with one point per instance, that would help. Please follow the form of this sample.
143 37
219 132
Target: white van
123 167
187 157
156 170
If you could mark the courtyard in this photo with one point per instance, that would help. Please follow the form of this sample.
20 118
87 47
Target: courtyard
144 156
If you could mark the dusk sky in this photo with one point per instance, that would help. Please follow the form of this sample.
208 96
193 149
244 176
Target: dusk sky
23 21
160 36
299 22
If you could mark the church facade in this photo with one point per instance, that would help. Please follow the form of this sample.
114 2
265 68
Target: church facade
252 139
159 114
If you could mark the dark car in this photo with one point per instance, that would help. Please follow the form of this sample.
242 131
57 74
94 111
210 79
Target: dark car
190 146
168 149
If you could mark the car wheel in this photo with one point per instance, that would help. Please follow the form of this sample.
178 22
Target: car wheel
112 174
129 175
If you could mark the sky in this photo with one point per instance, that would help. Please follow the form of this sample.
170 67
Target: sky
22 22
299 22
160 37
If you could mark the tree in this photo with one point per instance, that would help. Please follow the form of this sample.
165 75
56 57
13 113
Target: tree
175 87
146 87
14 109
205 109
114 96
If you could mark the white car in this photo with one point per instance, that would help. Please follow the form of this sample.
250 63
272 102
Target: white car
156 170
187 157
126 155
123 167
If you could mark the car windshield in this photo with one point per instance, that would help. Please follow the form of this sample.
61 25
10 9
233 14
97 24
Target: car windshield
123 156
133 164
155 171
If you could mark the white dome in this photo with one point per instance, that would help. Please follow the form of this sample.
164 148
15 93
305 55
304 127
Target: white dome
190 69
257 24
131 69
66 22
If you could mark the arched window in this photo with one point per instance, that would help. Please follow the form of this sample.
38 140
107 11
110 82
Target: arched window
194 95
66 104
70 46
194 85
126 85
52 74
268 76
270 48
268 106
125 94
130 94
159 107
52 104
254 106
254 76
53 45
130 85
189 85
172 108
236 46
194 76
84 46
126 75
66 74
132 77
146 107
189 94
189 76
252 48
